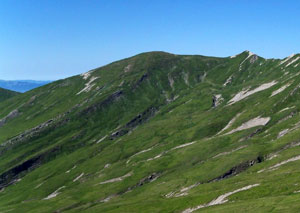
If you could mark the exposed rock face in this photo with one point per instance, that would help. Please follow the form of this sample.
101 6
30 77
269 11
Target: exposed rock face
145 180
217 100
280 90
176 137
148 179
24 136
252 134
228 81
253 59
11 115
88 85
142 79
238 169
258 121
230 123
31 100
282 133
12 175
246 92
59 120
117 179
136 121
219 200
171 82
128 68
110 99
186 78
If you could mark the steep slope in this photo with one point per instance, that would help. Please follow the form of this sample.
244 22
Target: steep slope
5 94
156 132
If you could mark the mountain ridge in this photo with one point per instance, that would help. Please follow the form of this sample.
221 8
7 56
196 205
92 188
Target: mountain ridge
158 132
5 94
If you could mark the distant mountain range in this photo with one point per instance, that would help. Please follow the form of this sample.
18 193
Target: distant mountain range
22 85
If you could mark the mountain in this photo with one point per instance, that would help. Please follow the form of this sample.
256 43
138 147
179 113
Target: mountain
22 85
5 94
156 132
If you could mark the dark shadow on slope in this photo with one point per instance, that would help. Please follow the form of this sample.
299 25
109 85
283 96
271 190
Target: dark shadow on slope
237 169
109 100
136 121
12 175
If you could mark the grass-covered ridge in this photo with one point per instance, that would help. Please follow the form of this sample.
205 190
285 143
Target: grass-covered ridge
156 132
5 94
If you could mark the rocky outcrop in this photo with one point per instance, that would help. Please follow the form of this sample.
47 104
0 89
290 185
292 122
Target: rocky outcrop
106 102
11 115
59 120
143 78
252 134
136 121
14 174
253 58
228 81
237 169
145 180
217 100
128 68
24 136
246 92
148 179
219 200
141 118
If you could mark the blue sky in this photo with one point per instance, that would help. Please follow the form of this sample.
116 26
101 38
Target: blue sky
53 39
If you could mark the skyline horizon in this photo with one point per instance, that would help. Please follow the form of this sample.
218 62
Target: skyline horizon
55 39
56 79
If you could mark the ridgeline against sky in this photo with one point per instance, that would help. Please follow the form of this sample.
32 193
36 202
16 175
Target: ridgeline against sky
47 40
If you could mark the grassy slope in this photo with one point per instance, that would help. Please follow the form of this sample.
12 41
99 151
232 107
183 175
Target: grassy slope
5 94
181 89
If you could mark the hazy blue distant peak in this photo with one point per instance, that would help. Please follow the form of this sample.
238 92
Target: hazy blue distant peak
22 85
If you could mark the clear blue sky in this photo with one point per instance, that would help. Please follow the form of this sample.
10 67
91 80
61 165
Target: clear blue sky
52 39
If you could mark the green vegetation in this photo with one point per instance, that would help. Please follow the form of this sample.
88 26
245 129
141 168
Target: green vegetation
5 94
144 135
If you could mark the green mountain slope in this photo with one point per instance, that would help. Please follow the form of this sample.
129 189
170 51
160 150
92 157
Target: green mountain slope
5 94
157 132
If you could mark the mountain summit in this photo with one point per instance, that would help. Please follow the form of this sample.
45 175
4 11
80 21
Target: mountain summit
156 132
